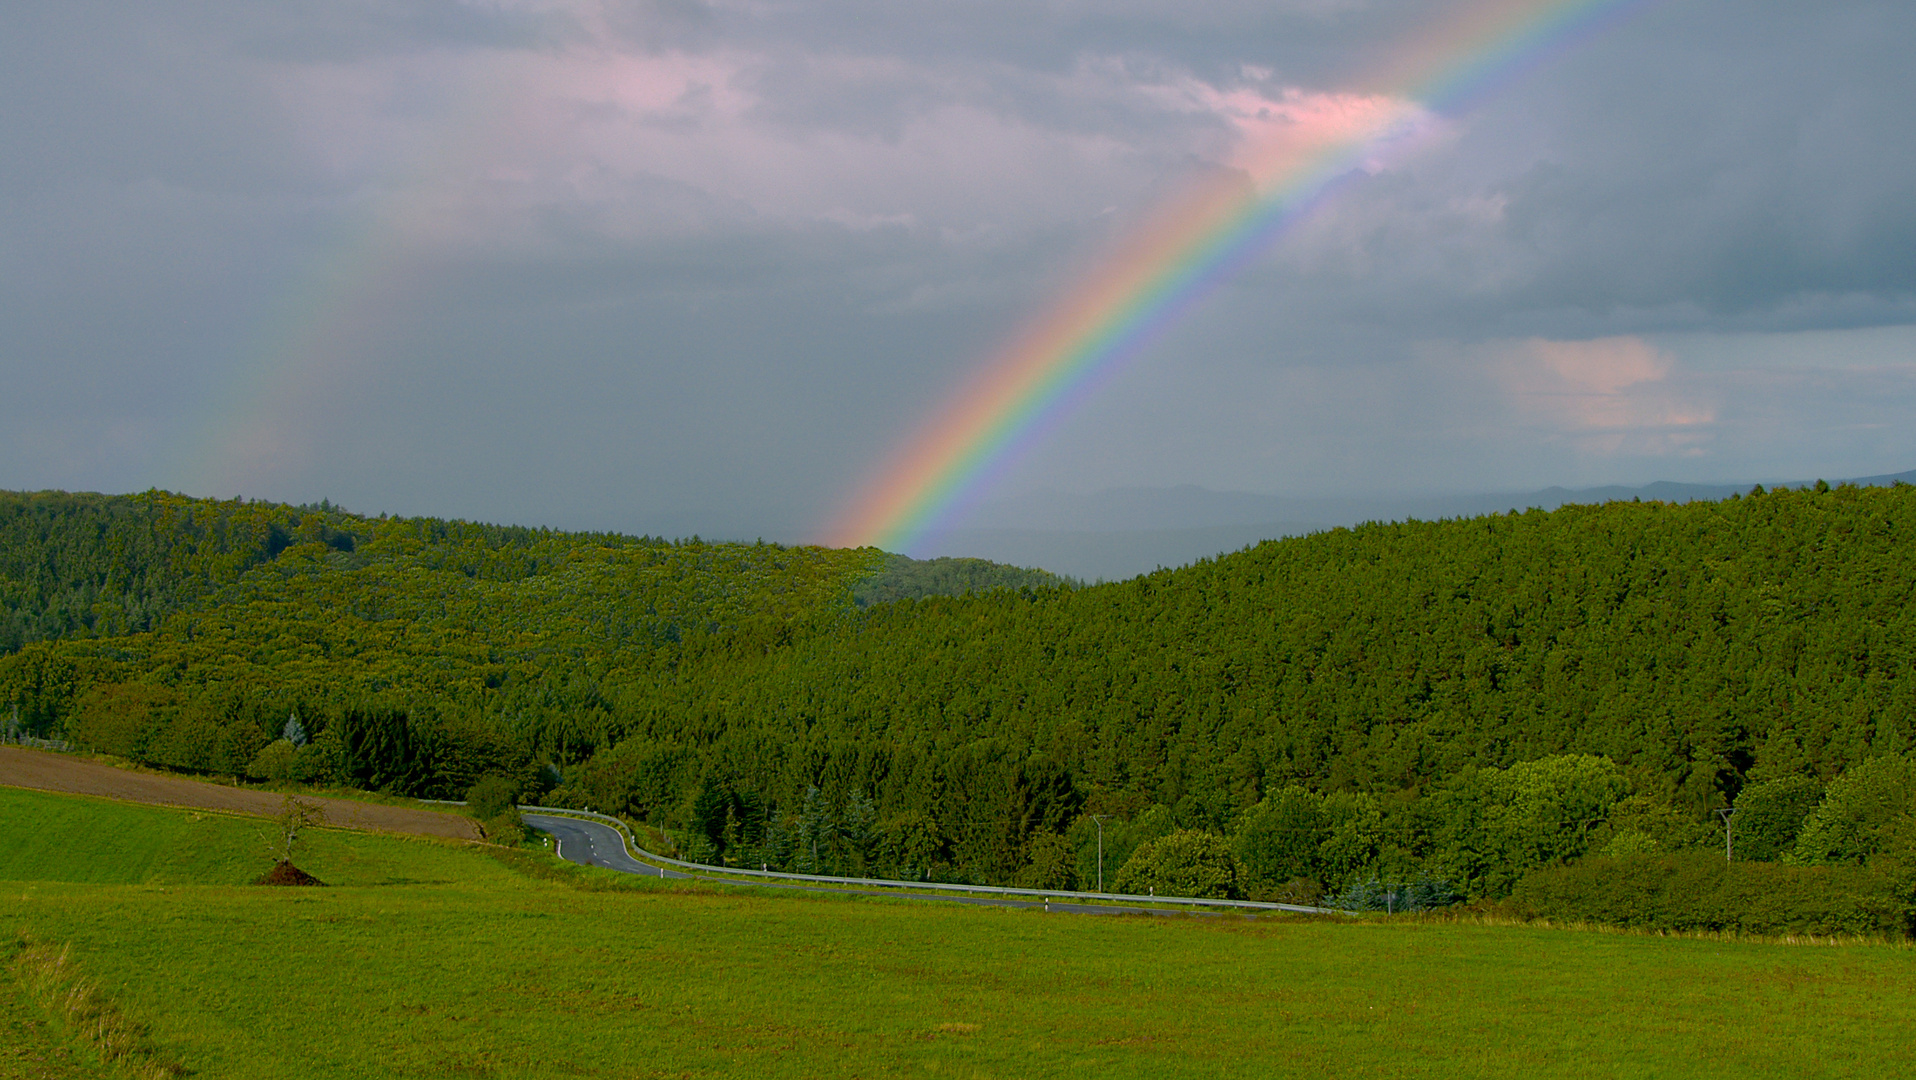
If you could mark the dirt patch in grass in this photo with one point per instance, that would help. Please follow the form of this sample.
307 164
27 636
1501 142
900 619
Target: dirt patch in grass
47 771
285 873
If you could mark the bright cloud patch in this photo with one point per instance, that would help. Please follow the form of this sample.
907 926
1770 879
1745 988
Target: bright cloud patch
1612 395
593 128
1275 134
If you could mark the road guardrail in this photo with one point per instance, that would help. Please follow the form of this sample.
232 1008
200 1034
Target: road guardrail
639 852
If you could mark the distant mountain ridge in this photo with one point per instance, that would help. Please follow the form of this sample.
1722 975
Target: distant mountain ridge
1122 532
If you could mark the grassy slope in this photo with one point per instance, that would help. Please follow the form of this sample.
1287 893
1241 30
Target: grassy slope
28 1050
82 839
432 959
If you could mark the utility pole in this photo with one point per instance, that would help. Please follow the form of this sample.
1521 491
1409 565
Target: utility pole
1729 833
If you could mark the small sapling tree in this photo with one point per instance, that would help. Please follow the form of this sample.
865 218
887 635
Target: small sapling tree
294 818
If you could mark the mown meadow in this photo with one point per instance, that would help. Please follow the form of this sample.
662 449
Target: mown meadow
430 958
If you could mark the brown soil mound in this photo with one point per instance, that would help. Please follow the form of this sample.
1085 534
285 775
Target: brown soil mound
285 873
47 771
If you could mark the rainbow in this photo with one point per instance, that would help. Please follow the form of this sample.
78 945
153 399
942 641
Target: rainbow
1186 249
315 340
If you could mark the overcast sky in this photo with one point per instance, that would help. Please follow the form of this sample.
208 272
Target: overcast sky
683 267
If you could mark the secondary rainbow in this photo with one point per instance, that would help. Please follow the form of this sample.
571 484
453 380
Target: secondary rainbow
1181 254
316 341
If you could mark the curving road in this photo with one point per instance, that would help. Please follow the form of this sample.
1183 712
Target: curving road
592 843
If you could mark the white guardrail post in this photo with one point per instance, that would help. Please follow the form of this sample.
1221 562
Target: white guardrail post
639 852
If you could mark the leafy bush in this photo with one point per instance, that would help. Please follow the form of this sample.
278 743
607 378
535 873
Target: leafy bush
565 798
491 797
1643 824
1356 839
1282 837
1700 891
1867 810
1297 835
1048 864
505 827
1497 824
1770 814
1122 836
273 762
314 763
1295 891
1188 862
121 719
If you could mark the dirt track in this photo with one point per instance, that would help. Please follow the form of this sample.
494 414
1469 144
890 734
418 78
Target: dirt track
21 767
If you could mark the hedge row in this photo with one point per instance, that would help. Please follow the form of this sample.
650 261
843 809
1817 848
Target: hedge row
1692 891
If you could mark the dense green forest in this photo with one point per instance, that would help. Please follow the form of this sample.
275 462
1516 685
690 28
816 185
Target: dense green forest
483 640
1451 706
97 566
901 577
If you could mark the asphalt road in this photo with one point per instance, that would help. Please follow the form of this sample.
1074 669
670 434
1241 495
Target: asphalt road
595 844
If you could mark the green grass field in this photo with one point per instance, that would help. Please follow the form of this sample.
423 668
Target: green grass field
431 959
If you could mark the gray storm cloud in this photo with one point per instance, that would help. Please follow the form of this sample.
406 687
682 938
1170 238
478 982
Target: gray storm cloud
682 267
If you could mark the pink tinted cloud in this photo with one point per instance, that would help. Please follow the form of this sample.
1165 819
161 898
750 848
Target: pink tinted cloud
1607 395
1277 134
592 128
655 85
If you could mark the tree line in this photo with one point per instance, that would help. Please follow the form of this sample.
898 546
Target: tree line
1467 701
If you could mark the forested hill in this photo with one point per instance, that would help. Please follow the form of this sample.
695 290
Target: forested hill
1697 647
904 578
260 609
1773 633
83 565
1466 698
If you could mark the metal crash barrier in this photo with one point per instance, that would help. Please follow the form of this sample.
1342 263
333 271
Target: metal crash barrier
639 852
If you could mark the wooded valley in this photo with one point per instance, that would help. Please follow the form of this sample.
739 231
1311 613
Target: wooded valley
1471 708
